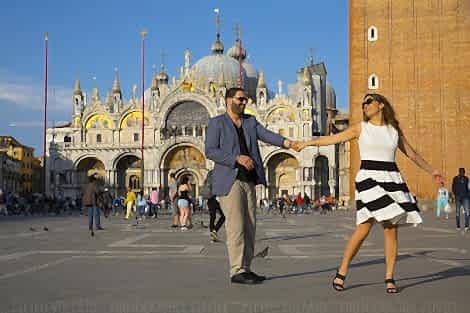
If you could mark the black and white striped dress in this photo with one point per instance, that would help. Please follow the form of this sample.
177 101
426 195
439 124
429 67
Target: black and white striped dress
381 192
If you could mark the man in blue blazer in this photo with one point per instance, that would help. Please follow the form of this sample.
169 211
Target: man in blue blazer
232 143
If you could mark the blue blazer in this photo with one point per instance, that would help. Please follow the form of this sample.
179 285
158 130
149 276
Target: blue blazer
222 147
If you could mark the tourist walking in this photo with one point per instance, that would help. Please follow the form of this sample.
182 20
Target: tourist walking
89 193
299 203
232 143
154 200
382 195
214 208
460 189
130 202
117 205
442 200
141 205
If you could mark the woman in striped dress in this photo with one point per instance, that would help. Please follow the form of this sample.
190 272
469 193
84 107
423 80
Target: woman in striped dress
381 193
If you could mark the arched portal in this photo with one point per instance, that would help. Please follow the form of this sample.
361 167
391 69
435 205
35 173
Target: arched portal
90 166
185 160
128 174
321 176
282 178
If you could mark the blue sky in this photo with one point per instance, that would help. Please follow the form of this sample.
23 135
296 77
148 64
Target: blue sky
91 38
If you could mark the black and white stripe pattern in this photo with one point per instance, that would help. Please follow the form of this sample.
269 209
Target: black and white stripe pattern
382 194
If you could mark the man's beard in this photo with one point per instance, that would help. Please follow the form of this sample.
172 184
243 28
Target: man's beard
238 109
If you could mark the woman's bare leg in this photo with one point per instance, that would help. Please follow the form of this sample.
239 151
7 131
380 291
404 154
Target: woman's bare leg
357 238
184 216
391 250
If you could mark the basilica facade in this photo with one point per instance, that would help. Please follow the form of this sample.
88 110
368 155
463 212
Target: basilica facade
104 136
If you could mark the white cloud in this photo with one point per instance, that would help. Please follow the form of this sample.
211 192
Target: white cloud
29 94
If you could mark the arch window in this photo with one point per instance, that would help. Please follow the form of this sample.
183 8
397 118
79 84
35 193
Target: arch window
308 174
373 81
372 33
306 132
188 131
98 138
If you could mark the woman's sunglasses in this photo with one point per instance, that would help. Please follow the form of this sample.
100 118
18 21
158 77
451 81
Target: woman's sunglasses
367 102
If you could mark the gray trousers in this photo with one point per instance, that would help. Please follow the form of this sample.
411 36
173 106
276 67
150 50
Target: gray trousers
239 207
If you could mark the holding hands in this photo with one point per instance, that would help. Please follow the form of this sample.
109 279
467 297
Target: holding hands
299 145
294 145
248 163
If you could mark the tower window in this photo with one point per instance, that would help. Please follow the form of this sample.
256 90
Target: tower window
136 137
98 138
372 33
67 139
373 82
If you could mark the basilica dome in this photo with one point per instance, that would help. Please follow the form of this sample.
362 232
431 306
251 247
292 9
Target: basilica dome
217 66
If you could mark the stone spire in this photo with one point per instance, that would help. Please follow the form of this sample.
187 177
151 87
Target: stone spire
116 85
261 81
95 94
77 90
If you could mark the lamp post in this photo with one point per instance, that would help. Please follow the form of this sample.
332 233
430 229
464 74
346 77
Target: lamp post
46 40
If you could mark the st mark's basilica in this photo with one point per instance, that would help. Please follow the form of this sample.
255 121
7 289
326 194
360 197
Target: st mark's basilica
104 135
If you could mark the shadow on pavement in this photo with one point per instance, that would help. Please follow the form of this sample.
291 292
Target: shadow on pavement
360 264
446 274
291 237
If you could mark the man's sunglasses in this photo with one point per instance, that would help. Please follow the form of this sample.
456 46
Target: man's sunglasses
241 99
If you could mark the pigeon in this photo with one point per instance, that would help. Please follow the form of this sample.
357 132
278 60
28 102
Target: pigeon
263 253
45 228
32 228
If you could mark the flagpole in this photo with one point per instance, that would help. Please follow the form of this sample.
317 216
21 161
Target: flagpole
143 33
46 41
